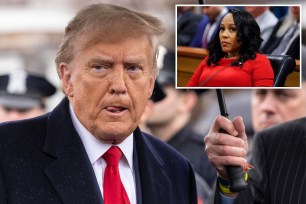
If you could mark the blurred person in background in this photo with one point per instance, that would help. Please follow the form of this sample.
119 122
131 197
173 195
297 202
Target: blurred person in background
208 26
23 95
265 19
234 59
271 107
157 95
285 37
187 22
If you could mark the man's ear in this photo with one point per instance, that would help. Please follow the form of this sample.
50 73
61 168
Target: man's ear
65 76
151 88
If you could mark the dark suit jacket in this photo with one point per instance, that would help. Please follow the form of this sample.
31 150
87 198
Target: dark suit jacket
273 41
43 160
196 40
186 26
279 157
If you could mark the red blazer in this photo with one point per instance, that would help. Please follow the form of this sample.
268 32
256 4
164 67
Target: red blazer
253 73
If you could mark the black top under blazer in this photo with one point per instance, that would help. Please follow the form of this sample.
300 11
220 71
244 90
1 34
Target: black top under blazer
43 160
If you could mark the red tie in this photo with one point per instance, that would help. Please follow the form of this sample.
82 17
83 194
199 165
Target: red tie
113 190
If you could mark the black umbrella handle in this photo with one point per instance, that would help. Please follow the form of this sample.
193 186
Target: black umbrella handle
236 175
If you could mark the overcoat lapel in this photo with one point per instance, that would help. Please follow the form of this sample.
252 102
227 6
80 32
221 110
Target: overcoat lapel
71 173
154 181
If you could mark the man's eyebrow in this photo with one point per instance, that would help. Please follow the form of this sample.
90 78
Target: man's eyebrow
108 60
100 60
134 60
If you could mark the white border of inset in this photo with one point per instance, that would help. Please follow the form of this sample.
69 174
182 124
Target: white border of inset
201 5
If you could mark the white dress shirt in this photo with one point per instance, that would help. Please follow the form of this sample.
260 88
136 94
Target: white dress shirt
95 149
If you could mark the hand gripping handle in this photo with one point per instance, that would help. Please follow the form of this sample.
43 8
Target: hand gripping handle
237 181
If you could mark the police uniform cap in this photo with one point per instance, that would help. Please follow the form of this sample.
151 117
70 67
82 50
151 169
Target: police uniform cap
20 90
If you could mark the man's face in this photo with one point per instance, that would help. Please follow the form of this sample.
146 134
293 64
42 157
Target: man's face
11 114
270 107
108 85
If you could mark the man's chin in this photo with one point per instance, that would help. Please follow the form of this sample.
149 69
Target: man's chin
112 139
113 134
265 125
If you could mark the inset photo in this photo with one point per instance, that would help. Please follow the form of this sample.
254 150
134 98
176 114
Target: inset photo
238 46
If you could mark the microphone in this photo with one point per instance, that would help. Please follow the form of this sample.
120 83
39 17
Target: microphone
237 182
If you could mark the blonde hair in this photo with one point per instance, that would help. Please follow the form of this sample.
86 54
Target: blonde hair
106 22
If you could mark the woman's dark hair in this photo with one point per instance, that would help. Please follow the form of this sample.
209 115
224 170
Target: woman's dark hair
248 35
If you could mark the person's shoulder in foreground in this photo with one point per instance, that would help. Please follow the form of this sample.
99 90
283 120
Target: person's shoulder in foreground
279 158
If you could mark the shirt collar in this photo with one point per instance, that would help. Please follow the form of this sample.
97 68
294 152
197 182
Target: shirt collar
95 148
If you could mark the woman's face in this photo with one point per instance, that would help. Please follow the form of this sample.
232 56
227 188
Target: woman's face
228 36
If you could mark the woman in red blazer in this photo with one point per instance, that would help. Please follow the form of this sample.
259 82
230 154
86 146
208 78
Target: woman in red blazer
234 60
